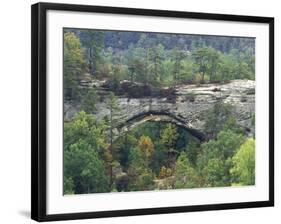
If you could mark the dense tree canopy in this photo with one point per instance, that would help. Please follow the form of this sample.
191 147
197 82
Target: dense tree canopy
157 59
84 144
141 160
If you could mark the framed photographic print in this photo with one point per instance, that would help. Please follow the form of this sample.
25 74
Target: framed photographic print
139 111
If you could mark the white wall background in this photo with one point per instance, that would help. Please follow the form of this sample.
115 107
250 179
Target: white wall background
15 110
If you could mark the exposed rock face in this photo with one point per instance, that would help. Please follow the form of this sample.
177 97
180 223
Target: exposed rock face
187 109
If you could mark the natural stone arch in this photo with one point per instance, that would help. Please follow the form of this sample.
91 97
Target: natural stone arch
157 116
187 108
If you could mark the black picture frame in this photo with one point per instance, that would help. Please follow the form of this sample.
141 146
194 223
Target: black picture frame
39 122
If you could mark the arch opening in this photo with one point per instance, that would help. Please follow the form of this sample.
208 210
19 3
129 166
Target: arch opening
166 145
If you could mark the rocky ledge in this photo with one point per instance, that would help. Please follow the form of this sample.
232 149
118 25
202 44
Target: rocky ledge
184 103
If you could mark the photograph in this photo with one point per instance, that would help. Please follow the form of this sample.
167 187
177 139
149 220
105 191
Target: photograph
152 111
140 111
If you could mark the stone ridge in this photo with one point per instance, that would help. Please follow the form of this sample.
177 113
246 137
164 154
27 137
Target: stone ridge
188 106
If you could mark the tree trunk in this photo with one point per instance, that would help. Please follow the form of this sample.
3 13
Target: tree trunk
110 149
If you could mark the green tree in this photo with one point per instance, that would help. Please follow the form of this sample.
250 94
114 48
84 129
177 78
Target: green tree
185 174
228 68
137 61
140 175
117 72
188 72
214 162
122 147
169 135
113 108
243 171
73 59
93 41
89 101
68 185
155 55
144 181
84 145
86 127
85 168
177 57
192 148
216 118
200 57
243 64
207 61
168 138
213 64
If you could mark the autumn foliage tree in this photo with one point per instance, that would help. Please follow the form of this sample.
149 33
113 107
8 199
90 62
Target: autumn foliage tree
73 57
140 175
168 138
147 147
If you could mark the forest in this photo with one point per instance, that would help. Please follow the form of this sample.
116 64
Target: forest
154 155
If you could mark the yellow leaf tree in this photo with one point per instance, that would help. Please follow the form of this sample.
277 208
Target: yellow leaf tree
146 145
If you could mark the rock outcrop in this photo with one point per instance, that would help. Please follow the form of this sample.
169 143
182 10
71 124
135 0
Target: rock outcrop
186 108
